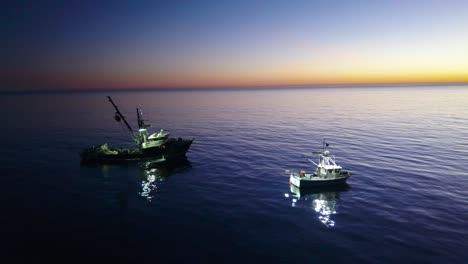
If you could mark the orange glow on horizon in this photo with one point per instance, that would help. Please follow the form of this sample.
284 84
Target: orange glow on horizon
277 80
447 63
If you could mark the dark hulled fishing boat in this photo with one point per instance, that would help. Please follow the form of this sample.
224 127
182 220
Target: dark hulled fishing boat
157 146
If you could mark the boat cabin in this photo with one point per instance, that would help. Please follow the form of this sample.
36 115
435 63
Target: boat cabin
154 140
327 166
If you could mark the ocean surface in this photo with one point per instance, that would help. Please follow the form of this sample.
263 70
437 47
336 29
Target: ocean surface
406 202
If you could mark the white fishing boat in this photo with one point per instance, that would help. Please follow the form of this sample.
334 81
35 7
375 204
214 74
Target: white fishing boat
327 172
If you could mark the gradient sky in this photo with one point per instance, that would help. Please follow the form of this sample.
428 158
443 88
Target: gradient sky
165 44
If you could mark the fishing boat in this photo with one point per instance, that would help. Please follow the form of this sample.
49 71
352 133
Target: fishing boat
327 172
159 146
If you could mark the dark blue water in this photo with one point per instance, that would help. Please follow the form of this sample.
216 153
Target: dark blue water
405 203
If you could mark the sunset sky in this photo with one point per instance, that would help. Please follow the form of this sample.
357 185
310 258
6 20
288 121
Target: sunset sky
205 44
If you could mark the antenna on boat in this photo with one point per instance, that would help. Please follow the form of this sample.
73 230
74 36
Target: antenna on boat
324 144
118 115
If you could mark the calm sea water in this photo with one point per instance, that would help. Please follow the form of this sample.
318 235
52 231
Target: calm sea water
405 203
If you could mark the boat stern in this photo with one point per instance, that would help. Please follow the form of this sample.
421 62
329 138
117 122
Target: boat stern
294 180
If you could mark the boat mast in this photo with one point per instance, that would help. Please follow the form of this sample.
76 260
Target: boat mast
119 114
138 118
141 122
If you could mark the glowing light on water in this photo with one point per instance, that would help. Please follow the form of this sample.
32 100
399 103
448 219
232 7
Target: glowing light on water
325 208
149 187
323 203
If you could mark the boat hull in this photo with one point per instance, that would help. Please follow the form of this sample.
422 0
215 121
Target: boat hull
173 149
317 181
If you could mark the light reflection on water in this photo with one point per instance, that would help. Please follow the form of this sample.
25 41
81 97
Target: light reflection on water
323 201
150 186
155 173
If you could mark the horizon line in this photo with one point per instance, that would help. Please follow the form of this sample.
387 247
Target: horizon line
228 88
